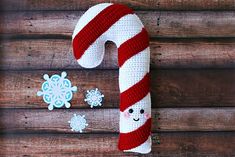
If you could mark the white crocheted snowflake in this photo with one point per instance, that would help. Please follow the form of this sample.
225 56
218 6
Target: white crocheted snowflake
78 123
94 97
57 91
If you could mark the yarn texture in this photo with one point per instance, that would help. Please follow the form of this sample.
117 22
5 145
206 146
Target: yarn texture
118 23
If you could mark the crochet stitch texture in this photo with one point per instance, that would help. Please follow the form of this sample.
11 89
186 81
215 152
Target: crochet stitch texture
117 23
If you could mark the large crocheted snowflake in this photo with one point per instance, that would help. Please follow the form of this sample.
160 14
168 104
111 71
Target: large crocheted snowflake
94 97
78 123
57 91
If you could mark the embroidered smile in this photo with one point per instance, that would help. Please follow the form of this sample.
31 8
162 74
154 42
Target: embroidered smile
136 119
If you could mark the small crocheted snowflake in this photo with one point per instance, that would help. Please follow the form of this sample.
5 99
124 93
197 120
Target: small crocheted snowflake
94 97
57 91
78 123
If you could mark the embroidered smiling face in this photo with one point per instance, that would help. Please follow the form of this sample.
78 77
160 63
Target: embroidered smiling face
136 114
131 111
133 117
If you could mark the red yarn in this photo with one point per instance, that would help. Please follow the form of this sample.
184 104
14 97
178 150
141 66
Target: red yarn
97 26
135 93
133 46
89 34
135 138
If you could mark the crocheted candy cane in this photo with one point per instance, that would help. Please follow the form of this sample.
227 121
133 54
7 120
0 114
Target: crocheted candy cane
118 23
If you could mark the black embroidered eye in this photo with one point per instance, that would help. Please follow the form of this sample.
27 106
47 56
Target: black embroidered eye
142 111
131 110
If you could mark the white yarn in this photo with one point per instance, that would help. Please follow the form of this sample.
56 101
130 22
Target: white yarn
130 73
127 125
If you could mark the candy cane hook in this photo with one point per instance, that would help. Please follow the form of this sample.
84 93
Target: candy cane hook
117 23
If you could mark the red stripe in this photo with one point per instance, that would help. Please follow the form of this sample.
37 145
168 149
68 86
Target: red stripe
133 46
135 93
97 26
135 138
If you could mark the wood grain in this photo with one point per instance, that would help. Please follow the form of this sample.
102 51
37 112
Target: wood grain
137 4
187 104
188 144
177 88
47 54
158 24
107 120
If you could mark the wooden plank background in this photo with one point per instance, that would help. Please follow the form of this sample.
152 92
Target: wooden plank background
172 144
169 88
106 120
137 4
158 24
165 53
192 79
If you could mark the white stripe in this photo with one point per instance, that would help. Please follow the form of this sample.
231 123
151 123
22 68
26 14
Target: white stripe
131 72
125 28
134 69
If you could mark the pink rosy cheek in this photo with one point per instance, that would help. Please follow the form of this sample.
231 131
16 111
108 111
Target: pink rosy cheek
146 115
126 115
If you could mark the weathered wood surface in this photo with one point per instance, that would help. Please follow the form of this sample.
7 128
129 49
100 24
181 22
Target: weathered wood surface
188 144
189 100
137 4
158 24
177 88
107 120
165 53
